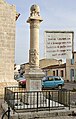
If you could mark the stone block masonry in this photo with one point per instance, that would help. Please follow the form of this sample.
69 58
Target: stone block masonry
8 16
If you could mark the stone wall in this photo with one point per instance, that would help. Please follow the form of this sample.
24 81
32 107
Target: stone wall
8 16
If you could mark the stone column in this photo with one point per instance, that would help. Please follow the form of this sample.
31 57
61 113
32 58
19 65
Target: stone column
35 74
34 21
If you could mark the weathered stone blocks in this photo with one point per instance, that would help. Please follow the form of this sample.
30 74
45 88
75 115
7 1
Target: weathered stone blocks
7 43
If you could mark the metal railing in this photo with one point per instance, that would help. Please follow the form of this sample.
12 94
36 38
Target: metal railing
19 99
6 112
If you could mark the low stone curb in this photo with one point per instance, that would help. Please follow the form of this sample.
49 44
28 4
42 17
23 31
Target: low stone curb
38 115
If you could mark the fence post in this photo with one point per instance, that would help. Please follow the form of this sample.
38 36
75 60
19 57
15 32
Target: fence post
6 112
37 101
5 94
49 100
69 99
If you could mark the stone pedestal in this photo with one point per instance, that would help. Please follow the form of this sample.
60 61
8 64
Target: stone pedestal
33 79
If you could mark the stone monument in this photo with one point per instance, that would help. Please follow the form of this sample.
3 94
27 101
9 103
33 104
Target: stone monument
35 74
8 17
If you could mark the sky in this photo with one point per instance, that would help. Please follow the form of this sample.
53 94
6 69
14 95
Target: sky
56 15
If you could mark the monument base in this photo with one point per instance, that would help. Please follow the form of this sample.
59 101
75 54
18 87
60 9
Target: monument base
33 79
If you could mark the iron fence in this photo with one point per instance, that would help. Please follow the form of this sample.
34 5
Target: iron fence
21 100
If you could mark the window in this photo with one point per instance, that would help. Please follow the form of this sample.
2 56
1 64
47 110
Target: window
72 61
62 73
56 72
50 79
53 73
56 79
72 72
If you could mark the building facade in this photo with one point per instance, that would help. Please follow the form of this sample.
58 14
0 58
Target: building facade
67 71
47 62
56 70
8 17
71 68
